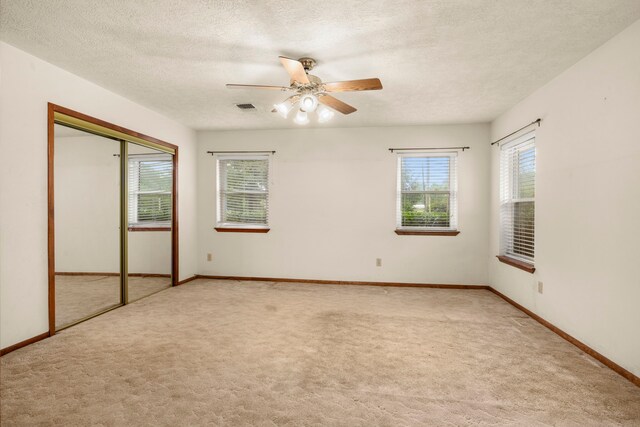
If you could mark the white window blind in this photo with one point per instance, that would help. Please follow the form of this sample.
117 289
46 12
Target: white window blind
517 198
243 190
150 186
427 191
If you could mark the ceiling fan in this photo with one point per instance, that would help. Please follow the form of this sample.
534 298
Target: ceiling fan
309 91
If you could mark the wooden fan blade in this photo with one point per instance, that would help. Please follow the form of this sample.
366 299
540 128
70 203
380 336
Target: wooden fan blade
234 86
295 70
351 85
336 104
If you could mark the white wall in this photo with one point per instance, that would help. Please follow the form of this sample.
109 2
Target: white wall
333 207
87 204
87 211
587 202
149 252
26 85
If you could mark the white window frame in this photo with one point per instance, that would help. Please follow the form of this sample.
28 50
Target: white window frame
508 188
241 156
453 190
132 201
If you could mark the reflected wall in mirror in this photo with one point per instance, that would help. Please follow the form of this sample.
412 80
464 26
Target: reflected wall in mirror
87 225
150 183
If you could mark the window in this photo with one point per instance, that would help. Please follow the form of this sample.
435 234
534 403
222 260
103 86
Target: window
517 198
150 185
427 192
243 191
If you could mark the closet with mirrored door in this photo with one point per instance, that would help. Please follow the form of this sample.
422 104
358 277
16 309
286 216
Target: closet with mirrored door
112 217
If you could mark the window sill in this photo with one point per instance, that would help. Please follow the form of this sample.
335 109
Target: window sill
402 232
529 268
241 230
149 228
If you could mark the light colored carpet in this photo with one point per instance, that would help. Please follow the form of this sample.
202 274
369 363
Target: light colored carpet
248 353
81 296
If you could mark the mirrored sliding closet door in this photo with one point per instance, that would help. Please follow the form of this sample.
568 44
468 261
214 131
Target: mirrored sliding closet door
87 225
112 234
149 213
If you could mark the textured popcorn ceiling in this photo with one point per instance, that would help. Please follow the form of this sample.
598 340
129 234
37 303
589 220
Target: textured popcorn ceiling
441 61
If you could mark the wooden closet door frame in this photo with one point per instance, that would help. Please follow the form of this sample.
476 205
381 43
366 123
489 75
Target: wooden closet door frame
52 109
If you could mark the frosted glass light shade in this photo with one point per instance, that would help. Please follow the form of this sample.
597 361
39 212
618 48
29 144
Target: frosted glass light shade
301 118
283 108
324 114
308 103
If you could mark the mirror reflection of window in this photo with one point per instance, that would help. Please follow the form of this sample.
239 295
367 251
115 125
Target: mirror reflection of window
150 182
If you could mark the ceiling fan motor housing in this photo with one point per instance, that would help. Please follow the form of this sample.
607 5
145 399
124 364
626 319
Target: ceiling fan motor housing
314 85
307 63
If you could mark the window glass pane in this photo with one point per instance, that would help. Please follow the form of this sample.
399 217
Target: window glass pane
438 203
425 173
246 175
523 228
244 208
425 210
526 173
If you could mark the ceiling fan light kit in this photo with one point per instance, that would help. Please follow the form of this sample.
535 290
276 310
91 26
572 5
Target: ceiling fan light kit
309 91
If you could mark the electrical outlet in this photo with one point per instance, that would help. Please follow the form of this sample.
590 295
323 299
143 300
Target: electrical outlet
378 262
540 287
209 257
